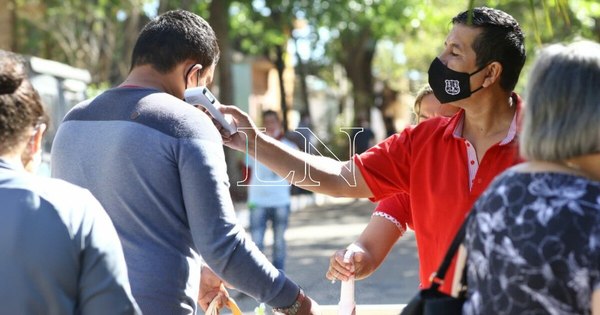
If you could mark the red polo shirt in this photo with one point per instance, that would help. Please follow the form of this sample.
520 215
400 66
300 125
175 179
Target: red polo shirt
396 209
431 162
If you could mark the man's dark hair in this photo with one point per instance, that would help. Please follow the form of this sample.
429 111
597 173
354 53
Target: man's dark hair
174 37
270 112
501 40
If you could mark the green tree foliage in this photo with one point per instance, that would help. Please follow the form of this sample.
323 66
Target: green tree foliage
374 40
355 28
542 22
95 35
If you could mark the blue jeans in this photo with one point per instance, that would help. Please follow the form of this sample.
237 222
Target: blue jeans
259 216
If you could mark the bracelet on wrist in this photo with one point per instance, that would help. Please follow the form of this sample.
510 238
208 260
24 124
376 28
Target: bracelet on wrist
294 308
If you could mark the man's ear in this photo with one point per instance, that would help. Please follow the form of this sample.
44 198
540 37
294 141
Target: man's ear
195 75
492 73
192 72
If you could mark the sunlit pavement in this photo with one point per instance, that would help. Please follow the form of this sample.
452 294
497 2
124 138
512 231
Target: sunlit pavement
316 232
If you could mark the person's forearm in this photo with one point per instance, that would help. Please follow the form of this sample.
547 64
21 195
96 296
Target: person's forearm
596 302
312 172
315 173
377 239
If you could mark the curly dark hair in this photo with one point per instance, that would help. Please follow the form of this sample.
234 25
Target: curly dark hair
501 40
21 109
174 37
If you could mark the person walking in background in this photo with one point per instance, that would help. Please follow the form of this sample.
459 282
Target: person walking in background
157 165
392 217
363 138
60 253
269 196
304 138
305 131
533 238
444 165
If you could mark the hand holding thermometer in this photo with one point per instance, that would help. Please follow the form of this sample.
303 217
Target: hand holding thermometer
347 305
203 97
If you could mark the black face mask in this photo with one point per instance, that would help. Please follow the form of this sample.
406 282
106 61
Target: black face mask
449 85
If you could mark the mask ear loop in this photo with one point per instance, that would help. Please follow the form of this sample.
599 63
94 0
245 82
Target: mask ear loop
477 71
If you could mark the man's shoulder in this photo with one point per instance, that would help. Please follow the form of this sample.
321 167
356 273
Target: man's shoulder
148 107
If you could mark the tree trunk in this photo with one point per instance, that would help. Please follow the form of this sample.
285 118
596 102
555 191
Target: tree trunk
133 26
219 21
302 75
7 25
597 28
358 65
280 65
167 5
219 13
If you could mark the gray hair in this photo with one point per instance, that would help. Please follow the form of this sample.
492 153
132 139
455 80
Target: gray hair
562 108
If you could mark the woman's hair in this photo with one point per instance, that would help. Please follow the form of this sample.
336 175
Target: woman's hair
424 91
20 106
562 109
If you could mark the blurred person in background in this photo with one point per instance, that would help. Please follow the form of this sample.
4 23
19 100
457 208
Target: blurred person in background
157 165
363 138
269 196
59 252
533 238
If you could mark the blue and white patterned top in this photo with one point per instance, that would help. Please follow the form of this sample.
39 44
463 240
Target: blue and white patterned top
533 245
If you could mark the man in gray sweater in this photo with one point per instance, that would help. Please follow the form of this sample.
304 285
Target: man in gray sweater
157 165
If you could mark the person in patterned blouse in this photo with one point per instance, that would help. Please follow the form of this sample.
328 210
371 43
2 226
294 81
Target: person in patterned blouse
533 237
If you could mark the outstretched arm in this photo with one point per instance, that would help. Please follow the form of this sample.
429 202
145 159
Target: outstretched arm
316 173
596 302
376 240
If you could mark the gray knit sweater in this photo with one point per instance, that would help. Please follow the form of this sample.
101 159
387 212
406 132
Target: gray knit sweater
157 166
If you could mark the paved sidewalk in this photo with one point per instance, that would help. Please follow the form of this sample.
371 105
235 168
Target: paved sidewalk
317 231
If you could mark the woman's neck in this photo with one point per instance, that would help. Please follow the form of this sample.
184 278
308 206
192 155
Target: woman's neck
586 166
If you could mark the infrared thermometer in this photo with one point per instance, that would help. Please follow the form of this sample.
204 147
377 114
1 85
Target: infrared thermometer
347 305
203 97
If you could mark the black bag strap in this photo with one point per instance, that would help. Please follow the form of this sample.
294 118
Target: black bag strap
437 278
